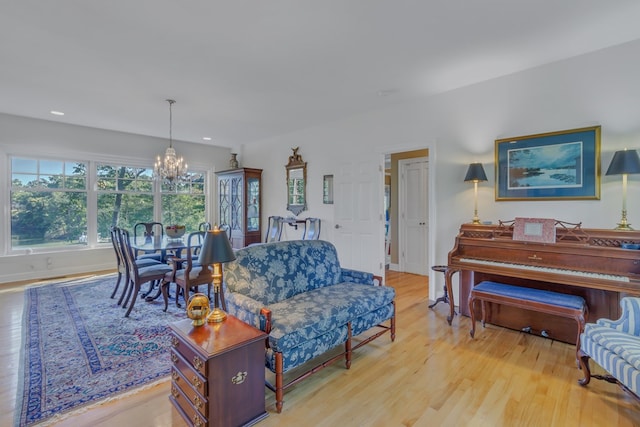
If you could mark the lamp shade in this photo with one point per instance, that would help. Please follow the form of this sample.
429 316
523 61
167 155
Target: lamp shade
626 161
216 248
475 173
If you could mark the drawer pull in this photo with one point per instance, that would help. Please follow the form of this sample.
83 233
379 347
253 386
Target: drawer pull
174 392
239 377
175 341
196 382
175 376
174 358
197 362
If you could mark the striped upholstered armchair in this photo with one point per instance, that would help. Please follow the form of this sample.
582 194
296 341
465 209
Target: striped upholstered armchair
614 345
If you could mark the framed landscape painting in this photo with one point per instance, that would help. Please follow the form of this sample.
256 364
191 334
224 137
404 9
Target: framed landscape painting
549 166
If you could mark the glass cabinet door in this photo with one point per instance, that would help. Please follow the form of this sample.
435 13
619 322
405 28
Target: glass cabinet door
239 201
253 208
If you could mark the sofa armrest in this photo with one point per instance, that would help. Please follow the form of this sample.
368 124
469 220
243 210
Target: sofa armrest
629 321
244 308
356 276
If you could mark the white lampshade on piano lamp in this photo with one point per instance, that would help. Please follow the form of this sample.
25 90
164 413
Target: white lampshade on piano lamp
475 174
623 163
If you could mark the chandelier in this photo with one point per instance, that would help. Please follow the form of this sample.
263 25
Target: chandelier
171 170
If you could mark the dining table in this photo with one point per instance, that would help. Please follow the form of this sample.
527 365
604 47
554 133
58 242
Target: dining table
162 244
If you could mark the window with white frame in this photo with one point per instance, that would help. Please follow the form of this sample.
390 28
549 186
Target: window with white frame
49 201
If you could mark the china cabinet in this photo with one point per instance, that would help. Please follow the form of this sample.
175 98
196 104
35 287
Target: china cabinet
239 202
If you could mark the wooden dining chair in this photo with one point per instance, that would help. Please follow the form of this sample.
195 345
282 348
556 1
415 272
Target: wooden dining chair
187 274
274 229
227 229
204 226
311 229
148 230
138 275
121 264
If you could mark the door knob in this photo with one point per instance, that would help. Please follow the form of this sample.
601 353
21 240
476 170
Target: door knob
337 226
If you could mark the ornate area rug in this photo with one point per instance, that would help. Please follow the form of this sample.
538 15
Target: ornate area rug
79 349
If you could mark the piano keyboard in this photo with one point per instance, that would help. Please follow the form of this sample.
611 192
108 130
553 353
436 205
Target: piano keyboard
588 274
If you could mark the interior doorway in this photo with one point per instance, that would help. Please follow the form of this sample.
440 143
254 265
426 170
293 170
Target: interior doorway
406 211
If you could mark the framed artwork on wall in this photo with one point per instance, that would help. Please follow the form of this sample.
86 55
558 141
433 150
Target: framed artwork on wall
560 165
327 190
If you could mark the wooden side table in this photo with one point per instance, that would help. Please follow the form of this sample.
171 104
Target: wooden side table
218 373
447 297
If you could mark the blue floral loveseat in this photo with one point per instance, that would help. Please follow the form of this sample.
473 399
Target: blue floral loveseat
297 292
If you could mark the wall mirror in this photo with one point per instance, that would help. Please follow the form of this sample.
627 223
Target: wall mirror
296 183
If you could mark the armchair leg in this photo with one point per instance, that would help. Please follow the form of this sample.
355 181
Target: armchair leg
584 365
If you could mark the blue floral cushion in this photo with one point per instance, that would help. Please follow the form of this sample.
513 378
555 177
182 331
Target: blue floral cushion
307 350
313 313
276 271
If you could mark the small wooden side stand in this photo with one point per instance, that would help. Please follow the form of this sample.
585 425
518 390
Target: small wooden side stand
218 373
445 296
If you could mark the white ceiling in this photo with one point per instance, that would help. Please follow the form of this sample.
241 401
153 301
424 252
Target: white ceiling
242 70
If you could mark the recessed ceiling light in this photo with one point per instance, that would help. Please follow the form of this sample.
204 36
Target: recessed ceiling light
206 138
57 113
386 92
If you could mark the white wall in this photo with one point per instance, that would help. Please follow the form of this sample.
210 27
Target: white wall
25 136
461 126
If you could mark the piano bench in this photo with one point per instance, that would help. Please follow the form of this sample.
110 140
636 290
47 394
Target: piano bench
565 305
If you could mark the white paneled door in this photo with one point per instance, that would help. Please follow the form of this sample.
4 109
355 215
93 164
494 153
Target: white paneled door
414 215
358 220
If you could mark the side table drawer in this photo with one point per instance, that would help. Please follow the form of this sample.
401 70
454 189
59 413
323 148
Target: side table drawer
190 375
181 403
189 354
197 400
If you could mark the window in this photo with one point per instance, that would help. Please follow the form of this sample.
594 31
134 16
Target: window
185 205
49 201
125 197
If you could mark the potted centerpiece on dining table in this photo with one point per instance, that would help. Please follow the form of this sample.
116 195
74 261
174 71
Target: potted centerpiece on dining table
175 231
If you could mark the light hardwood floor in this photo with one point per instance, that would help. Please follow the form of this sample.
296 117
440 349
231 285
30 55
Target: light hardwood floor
432 375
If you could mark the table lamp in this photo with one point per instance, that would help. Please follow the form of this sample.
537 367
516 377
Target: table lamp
475 174
215 250
623 163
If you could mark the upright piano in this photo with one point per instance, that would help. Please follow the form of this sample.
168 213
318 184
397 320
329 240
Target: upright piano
591 263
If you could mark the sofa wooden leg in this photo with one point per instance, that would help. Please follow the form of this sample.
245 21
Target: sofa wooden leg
347 347
584 365
393 323
279 389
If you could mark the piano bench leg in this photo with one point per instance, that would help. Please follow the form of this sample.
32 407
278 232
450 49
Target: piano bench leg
472 300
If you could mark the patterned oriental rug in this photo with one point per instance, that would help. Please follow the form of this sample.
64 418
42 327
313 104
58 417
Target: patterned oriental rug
78 349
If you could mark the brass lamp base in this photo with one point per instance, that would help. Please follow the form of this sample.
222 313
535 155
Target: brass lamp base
217 315
623 224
